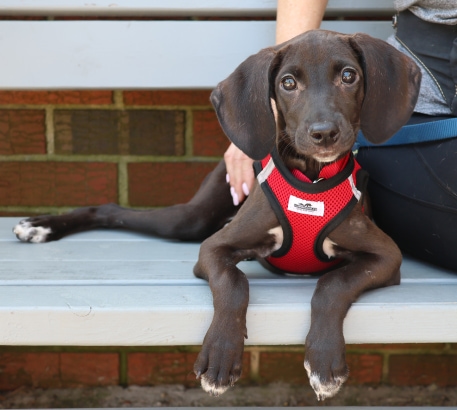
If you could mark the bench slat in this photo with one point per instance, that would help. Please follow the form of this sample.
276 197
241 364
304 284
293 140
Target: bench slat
136 54
180 315
180 8
105 255
96 288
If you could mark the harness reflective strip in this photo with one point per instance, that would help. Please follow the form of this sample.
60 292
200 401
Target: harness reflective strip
355 191
265 173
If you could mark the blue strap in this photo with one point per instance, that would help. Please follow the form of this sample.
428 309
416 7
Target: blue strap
410 134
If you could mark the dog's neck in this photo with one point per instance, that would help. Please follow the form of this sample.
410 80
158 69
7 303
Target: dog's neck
309 167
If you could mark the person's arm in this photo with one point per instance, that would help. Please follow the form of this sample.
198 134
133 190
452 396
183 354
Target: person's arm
293 17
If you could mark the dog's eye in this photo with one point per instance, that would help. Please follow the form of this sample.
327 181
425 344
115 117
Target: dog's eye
288 83
348 76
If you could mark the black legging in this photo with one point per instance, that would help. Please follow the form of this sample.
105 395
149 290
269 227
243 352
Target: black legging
414 196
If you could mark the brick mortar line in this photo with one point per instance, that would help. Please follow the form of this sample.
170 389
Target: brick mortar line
118 99
409 351
49 124
43 209
447 350
105 158
189 133
170 107
123 183
117 349
37 209
385 370
63 349
254 367
110 107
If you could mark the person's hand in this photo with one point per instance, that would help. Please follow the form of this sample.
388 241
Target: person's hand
240 174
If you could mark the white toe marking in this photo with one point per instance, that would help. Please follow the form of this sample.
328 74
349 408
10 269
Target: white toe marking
211 388
28 233
323 390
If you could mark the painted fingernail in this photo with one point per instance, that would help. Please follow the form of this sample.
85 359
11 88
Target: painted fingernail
236 200
245 188
227 178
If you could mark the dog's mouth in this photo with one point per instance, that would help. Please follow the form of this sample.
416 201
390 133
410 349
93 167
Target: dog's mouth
329 152
326 156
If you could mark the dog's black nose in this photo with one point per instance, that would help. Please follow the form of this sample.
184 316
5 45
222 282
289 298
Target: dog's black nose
323 132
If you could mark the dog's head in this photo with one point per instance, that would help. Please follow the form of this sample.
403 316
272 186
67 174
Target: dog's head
315 92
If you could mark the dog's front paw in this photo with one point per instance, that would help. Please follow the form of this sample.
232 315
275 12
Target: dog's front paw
219 364
325 386
325 363
32 230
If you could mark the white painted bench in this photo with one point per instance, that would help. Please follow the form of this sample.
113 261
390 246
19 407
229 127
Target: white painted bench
122 289
85 54
117 288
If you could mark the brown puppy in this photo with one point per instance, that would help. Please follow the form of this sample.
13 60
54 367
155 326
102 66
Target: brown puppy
306 100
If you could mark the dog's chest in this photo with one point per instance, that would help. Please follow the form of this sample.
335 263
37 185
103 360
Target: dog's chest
307 211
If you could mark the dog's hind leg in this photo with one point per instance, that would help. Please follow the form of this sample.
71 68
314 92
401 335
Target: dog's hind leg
204 214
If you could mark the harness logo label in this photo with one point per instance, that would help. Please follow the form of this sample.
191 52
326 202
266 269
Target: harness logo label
302 206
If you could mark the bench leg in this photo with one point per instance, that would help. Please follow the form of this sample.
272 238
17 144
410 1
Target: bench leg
204 214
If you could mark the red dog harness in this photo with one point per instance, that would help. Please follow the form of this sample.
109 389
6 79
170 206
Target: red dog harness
309 211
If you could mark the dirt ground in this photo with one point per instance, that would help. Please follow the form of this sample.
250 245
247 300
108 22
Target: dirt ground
277 394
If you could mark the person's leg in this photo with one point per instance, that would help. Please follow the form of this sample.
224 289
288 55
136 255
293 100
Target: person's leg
414 196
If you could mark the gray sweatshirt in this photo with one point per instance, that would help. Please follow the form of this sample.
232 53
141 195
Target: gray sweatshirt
431 101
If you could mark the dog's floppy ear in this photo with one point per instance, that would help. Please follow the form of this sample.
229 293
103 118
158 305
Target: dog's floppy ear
392 83
242 103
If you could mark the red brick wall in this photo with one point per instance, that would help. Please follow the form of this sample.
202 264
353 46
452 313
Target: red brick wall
400 365
63 149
